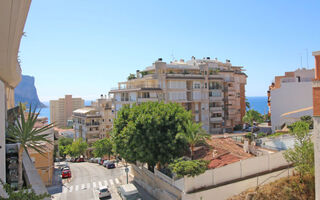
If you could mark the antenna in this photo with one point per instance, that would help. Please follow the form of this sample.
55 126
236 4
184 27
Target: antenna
301 61
172 56
307 58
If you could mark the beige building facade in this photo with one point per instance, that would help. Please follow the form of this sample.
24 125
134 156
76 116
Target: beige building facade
93 122
214 91
13 15
61 109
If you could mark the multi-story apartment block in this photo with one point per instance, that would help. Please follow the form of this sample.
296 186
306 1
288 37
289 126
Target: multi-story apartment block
61 109
214 91
290 97
13 15
94 122
105 108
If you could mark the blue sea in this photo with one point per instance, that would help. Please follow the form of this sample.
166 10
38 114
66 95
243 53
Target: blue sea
259 104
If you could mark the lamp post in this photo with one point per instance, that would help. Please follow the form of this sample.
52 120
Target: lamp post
127 170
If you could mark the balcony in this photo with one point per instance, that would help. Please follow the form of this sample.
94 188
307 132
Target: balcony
216 99
198 76
140 100
137 87
214 109
215 130
216 119
93 124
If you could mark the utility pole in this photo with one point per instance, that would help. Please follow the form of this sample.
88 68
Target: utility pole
127 172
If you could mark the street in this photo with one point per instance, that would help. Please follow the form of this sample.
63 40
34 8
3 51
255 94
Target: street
87 178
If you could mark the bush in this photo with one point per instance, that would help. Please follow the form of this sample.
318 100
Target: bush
261 135
189 168
237 127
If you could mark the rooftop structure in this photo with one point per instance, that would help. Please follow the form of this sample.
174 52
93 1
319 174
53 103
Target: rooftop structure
214 91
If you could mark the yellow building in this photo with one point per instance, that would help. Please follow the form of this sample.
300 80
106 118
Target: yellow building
61 109
44 163
214 91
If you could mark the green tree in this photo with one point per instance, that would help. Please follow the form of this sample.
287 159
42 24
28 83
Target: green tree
23 132
77 148
63 143
194 134
147 132
302 154
252 116
131 76
308 119
247 104
190 168
22 194
102 147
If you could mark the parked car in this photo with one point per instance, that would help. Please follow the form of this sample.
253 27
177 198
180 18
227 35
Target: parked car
129 192
96 160
104 192
101 162
111 166
65 168
105 162
80 160
66 173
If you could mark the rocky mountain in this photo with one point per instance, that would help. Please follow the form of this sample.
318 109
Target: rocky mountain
26 92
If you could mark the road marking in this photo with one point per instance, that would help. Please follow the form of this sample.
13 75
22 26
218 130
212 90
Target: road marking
117 181
111 182
64 189
88 185
100 184
106 183
77 188
94 185
82 186
71 188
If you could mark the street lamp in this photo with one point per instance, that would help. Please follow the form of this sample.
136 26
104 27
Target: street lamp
127 170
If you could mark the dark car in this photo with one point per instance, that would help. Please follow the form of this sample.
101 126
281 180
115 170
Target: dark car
80 160
111 166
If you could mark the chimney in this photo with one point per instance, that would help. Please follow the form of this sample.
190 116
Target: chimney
160 59
193 58
181 60
138 73
208 58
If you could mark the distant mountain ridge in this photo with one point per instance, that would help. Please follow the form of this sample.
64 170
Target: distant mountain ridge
26 92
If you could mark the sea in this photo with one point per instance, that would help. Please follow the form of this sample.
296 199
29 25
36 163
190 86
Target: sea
259 104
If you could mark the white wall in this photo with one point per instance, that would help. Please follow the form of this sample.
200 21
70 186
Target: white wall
2 132
291 96
235 170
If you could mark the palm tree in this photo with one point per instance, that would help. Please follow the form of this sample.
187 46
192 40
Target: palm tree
247 104
22 131
193 135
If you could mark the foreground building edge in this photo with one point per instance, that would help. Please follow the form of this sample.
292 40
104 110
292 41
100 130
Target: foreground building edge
316 118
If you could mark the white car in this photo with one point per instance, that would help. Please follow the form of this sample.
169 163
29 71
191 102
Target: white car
104 192
129 192
106 162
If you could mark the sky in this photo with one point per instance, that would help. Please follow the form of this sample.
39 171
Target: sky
85 47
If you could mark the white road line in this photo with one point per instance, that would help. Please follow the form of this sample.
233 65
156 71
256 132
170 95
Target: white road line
111 182
82 186
94 185
88 185
100 184
71 188
77 188
117 181
106 183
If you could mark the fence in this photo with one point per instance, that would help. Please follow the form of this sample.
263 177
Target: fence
236 171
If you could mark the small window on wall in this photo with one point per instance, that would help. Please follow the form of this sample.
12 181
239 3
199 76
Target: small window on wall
205 85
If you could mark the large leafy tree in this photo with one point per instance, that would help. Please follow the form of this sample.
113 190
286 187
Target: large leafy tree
102 147
252 116
194 134
22 131
77 148
63 143
147 132
302 154
190 168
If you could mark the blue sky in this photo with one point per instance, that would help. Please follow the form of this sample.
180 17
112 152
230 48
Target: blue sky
84 48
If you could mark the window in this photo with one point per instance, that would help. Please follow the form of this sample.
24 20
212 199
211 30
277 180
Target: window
214 94
196 85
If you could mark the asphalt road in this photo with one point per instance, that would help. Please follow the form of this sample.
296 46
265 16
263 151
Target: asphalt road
86 179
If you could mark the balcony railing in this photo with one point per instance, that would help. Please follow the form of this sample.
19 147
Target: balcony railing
93 124
142 86
216 119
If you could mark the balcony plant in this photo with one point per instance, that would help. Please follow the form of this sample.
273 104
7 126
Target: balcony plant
22 131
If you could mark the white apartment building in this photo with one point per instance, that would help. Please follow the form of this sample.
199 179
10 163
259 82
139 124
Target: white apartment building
13 15
290 97
214 91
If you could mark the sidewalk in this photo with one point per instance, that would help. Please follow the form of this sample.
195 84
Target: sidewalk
56 186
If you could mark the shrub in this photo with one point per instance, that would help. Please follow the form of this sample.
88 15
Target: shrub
189 168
